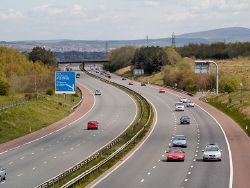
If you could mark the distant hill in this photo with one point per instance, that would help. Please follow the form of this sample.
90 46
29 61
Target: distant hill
231 34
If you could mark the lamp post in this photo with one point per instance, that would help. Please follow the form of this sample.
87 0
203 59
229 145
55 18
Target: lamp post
217 76
241 86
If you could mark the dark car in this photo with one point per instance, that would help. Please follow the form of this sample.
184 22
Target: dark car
143 84
179 141
124 78
184 120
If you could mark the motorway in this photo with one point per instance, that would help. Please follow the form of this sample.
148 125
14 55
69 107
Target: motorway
34 163
148 168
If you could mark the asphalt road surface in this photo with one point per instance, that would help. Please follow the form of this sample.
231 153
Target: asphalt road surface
148 167
34 163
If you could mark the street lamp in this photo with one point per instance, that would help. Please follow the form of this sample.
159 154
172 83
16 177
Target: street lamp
241 87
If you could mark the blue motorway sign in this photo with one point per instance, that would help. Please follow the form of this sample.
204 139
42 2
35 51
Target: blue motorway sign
65 82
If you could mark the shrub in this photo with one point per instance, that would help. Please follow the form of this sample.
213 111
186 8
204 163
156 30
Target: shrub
50 91
4 87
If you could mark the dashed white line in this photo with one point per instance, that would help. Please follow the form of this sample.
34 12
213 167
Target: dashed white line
10 163
55 157
22 158
192 166
45 162
149 173
142 180
33 168
154 166
189 172
19 175
186 179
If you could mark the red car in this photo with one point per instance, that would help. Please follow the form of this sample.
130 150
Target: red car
93 125
162 90
130 83
175 154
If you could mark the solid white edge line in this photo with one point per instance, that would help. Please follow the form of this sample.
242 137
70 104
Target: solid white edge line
128 157
56 122
228 146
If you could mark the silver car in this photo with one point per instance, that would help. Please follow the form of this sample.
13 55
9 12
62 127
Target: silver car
212 152
179 106
98 92
179 141
190 104
2 174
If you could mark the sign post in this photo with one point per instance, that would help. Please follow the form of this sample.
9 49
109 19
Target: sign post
203 67
65 82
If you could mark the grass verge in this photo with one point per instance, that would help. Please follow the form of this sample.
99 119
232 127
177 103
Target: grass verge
234 112
20 120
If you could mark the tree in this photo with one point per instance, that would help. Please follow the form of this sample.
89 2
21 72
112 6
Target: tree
4 87
41 54
151 59
120 57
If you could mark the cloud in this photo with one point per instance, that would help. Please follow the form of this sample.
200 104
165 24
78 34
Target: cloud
10 14
76 9
151 3
50 10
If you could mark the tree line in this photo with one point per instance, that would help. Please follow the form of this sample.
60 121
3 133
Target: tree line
29 73
176 70
215 50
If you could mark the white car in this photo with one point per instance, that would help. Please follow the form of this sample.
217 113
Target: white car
179 106
183 99
2 174
190 104
211 152
98 92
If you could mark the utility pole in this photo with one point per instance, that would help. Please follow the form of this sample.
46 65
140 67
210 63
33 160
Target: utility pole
106 49
173 40
147 40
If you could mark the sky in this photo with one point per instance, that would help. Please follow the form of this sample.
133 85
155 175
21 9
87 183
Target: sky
116 19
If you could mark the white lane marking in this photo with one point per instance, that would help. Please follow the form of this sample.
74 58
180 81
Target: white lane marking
154 166
32 153
55 157
148 173
192 166
162 155
19 174
71 148
189 172
60 128
45 162
151 131
10 163
93 134
33 168
228 146
22 158
186 179
194 160
142 180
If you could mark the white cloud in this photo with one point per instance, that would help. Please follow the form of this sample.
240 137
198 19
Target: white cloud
151 3
50 10
76 9
10 14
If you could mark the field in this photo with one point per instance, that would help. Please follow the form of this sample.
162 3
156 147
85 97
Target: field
36 114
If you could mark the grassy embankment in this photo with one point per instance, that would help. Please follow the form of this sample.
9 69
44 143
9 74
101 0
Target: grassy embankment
34 115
